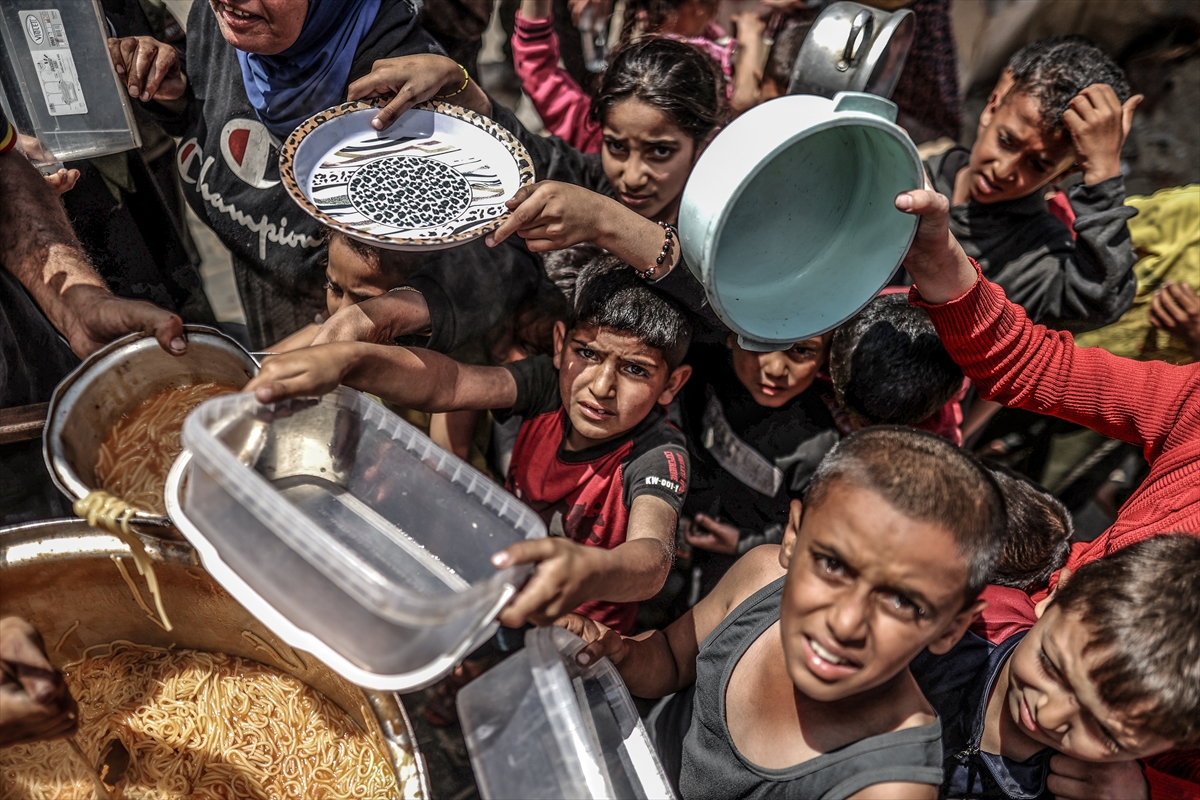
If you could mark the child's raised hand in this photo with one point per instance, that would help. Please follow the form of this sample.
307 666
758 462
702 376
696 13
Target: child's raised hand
936 261
557 587
1176 310
712 535
601 640
1099 123
310 372
63 181
413 80
553 216
1072 779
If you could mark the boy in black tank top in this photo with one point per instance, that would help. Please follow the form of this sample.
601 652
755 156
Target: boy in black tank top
800 655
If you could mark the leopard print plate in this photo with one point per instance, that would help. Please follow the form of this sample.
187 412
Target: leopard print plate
437 178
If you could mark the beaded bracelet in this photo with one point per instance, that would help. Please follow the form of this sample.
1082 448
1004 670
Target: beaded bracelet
669 231
460 90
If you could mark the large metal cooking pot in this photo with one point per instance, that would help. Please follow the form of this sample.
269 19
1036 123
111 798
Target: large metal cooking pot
38 560
853 48
116 379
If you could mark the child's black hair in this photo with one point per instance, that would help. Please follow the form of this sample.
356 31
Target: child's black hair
397 264
1037 537
927 478
675 78
1053 71
1140 605
889 366
610 294
563 266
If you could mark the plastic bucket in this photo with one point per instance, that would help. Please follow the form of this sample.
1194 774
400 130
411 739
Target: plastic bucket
788 219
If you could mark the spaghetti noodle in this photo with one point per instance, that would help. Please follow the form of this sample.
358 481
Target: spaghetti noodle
136 455
204 726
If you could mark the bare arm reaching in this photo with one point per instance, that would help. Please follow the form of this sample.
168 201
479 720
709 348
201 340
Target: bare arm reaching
40 249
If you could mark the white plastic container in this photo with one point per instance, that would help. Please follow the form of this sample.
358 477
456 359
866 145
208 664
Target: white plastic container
539 726
58 83
369 540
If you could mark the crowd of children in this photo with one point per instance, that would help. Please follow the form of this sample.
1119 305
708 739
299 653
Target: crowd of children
792 551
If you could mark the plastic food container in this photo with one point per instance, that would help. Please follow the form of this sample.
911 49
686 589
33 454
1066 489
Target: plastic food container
540 726
371 542
58 81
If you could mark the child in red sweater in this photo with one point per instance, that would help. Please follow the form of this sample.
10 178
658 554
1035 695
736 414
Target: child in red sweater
1029 366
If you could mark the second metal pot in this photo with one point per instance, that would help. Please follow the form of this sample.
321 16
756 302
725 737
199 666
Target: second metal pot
853 48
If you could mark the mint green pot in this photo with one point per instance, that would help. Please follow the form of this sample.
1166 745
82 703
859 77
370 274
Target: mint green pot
788 219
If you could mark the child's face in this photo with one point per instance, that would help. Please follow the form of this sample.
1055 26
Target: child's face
350 278
775 378
1053 700
609 381
867 589
1013 157
647 158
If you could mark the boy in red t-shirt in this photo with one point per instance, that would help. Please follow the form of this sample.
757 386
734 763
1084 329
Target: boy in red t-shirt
595 456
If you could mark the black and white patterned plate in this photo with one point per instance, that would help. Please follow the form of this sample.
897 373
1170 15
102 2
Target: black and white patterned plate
437 178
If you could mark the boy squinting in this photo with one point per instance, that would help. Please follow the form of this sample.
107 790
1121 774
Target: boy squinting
802 649
595 455
1062 105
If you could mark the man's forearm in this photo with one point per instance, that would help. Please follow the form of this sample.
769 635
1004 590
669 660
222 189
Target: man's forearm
38 245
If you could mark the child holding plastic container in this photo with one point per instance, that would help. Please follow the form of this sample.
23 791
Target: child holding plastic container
1061 106
595 456
799 658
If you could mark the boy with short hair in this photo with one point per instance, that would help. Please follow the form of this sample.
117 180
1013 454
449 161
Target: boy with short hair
1037 538
800 655
1108 673
889 367
1060 106
595 456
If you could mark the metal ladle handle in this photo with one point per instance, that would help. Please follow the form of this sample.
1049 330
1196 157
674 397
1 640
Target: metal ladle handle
860 33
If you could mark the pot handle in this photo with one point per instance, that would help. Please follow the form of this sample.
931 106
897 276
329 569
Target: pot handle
860 34
864 103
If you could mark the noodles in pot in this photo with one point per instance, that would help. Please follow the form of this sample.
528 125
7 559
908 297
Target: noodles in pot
204 726
136 455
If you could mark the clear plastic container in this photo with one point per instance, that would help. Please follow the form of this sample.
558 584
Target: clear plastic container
58 83
540 726
356 528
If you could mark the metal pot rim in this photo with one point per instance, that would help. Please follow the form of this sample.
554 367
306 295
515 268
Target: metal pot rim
61 472
71 537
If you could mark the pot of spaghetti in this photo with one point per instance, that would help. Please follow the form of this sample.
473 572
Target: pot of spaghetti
113 425
218 707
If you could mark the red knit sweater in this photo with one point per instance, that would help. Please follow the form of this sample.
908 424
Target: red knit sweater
1148 403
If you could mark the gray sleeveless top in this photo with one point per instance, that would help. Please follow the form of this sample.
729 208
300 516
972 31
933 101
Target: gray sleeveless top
713 768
